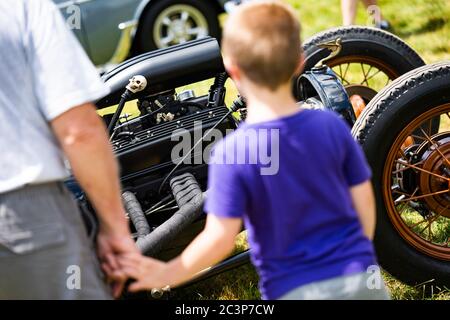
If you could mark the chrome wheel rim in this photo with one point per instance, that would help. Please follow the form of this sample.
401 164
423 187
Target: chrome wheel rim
178 24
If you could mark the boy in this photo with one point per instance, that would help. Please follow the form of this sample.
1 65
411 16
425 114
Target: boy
310 217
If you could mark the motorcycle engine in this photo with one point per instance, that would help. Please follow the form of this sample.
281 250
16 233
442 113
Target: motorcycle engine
147 141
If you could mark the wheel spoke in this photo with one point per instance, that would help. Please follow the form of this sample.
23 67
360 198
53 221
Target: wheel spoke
166 21
424 196
430 232
344 77
420 169
429 223
340 71
340 74
437 147
373 75
168 39
418 137
387 82
399 199
184 16
196 32
418 223
406 168
402 154
401 192
364 74
446 242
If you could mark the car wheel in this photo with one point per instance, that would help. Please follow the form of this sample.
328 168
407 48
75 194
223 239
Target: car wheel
170 22
369 60
405 133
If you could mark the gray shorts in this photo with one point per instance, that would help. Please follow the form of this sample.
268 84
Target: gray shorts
352 287
44 249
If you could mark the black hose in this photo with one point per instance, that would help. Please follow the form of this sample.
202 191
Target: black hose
125 96
221 79
237 104
192 149
190 208
136 214
217 92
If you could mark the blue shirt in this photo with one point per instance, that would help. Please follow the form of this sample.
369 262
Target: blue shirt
44 73
289 180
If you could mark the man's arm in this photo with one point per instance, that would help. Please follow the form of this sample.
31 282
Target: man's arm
82 136
364 204
213 244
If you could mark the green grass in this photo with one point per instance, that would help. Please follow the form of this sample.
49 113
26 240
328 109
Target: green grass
422 24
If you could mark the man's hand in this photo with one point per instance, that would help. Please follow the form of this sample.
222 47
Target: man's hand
109 246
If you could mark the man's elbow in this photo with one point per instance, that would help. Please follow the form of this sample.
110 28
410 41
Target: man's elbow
81 135
80 126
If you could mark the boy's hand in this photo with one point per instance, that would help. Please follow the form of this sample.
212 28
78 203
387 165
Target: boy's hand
208 248
149 273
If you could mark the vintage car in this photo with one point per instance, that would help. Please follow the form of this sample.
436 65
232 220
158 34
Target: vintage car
403 129
112 30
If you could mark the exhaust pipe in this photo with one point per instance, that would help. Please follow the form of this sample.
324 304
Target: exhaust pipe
190 199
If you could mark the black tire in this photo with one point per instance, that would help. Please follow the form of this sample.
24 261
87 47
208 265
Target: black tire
376 44
380 123
145 40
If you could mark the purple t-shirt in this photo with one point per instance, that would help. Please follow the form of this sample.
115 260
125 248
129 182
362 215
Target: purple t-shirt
289 180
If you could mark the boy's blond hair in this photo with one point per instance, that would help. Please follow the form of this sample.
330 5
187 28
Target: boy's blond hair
263 39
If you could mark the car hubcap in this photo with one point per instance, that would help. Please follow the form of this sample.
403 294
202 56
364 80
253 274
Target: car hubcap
178 24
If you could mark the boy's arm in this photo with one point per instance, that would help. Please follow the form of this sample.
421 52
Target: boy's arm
213 244
364 204
210 247
227 201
